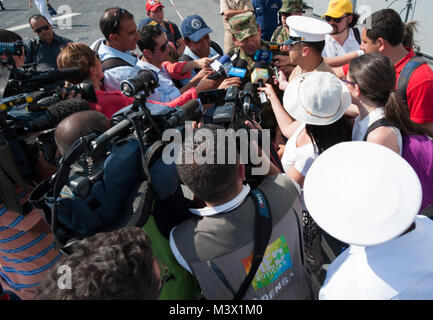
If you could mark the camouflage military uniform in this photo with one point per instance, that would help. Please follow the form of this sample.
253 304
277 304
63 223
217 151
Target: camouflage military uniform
281 34
243 26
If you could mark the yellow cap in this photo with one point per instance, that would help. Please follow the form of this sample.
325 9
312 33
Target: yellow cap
337 8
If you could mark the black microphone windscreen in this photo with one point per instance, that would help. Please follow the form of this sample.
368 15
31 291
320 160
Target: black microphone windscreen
63 74
249 88
190 107
65 108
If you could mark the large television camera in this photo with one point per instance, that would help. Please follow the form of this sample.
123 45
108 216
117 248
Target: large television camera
109 180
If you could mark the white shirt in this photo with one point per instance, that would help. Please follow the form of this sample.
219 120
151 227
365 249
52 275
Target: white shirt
400 269
166 91
335 49
299 157
360 127
113 77
206 212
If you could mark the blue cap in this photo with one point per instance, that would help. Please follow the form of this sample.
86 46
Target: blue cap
194 28
149 21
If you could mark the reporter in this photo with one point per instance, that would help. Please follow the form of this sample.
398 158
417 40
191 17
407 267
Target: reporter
79 55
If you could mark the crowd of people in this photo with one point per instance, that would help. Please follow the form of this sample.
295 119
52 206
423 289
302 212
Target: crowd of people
350 116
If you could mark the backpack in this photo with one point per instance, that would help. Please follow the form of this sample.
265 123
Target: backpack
357 35
418 152
403 81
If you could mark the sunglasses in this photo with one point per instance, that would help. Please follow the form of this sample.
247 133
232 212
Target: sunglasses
45 27
336 20
348 82
117 16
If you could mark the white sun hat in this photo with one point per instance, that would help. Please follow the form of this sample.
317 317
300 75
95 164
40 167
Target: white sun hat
317 98
362 193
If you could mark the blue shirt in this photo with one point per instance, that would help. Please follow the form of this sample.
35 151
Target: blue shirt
267 16
113 77
45 53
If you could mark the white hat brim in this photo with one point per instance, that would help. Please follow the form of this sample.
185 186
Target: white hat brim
362 193
292 106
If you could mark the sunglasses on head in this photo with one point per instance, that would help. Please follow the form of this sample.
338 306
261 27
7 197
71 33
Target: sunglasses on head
117 16
45 27
336 20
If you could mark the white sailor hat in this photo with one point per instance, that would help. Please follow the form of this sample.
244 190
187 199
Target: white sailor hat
307 29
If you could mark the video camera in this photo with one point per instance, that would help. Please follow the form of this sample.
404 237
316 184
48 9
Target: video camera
104 181
12 48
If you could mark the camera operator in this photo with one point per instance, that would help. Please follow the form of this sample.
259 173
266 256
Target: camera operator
27 248
79 55
217 245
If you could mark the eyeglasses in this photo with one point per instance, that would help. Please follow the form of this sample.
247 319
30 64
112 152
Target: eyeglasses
348 82
163 47
45 27
117 16
336 20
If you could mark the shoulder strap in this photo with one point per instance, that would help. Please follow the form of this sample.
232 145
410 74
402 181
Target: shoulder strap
403 81
262 234
111 63
357 35
379 123
217 48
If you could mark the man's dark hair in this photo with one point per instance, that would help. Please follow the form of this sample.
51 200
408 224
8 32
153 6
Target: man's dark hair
386 24
209 182
107 23
117 265
316 46
36 17
9 36
148 34
355 20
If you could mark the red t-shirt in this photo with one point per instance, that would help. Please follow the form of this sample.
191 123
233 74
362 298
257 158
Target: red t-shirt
109 102
419 89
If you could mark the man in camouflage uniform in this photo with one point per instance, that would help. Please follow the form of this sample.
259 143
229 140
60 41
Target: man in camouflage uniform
289 8
247 38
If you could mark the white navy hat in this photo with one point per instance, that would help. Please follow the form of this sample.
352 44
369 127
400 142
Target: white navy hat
362 193
307 29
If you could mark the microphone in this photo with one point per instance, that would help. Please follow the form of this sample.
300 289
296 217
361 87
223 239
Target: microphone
240 70
54 75
260 75
247 96
145 80
58 112
221 67
187 111
263 56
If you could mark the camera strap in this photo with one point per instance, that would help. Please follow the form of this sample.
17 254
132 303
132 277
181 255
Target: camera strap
262 234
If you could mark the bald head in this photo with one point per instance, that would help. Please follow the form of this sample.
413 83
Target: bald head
78 125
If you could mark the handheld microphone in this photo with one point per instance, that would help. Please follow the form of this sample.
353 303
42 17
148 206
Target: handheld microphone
247 96
240 70
221 67
57 113
260 75
263 56
187 111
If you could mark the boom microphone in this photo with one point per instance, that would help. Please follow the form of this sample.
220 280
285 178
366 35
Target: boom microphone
57 113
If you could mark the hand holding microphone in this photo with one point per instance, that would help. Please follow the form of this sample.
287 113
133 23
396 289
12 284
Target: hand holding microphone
260 75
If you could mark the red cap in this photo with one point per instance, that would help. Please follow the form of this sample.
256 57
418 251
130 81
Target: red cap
152 5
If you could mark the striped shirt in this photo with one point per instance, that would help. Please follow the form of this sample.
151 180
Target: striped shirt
45 53
27 249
